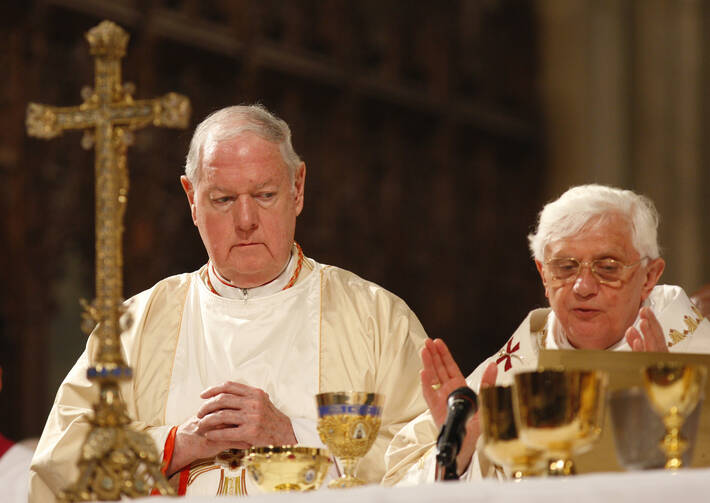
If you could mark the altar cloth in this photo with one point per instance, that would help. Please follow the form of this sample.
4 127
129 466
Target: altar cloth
651 486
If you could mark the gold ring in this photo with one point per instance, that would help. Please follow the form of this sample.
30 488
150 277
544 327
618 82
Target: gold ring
436 386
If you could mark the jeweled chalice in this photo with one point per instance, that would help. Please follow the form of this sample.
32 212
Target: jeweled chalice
673 390
560 412
501 443
348 424
287 468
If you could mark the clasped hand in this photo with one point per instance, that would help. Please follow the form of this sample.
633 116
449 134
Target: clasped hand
234 416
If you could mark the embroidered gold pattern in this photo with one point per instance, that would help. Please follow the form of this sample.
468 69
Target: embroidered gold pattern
691 322
228 486
232 486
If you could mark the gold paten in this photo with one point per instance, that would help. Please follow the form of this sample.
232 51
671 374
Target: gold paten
348 422
673 390
287 468
501 442
560 412
115 460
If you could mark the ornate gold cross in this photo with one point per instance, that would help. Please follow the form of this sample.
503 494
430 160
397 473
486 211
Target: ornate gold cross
108 116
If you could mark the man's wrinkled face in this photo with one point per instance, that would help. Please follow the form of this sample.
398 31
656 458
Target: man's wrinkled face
592 314
245 208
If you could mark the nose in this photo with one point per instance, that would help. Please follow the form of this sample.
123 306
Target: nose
585 284
246 216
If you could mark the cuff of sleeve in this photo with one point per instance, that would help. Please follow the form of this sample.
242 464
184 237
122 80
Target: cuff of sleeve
480 466
160 434
168 448
473 471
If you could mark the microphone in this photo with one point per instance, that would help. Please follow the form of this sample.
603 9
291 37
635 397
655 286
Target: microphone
462 404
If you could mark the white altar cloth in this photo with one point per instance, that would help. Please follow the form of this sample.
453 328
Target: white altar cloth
652 486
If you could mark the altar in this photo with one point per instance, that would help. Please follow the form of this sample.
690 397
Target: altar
688 486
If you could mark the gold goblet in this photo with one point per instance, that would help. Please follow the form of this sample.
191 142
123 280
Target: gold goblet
560 412
674 389
348 424
287 468
499 433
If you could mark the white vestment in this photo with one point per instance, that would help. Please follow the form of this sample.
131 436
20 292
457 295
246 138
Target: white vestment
411 457
268 341
331 331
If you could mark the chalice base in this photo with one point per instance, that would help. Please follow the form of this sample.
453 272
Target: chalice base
523 473
673 445
561 467
345 481
286 488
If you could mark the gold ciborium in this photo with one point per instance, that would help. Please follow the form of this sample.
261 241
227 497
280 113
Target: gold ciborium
560 412
287 468
348 422
674 389
499 434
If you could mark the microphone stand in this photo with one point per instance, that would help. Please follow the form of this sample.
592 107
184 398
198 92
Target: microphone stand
445 470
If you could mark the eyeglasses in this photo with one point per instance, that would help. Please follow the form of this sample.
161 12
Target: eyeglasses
607 270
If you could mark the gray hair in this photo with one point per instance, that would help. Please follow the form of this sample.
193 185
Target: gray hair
567 215
233 121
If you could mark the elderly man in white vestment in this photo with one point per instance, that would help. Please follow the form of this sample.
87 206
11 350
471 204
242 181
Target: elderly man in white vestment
597 254
231 355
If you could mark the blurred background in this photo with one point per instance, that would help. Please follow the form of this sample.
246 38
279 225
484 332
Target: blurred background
433 133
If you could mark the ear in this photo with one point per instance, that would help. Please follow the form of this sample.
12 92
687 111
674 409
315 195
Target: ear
654 269
299 185
190 193
541 271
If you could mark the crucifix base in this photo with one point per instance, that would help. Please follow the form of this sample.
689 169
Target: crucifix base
115 460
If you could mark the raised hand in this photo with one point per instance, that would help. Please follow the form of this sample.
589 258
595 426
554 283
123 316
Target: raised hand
440 376
650 336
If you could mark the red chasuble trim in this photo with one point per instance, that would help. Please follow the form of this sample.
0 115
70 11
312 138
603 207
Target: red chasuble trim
184 477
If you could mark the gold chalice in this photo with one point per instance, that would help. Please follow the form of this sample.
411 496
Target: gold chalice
560 412
348 424
287 468
674 389
637 428
500 435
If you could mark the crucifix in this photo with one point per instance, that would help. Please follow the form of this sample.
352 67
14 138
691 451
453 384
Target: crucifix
115 459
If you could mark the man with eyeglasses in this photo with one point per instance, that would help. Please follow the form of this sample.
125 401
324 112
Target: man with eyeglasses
597 253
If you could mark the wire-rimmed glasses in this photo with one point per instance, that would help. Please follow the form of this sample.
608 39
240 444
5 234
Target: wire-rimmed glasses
607 271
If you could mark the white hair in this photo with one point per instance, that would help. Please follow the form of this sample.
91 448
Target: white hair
567 216
233 121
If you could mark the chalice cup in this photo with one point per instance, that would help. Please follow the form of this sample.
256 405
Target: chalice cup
287 468
673 390
560 412
501 443
348 422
